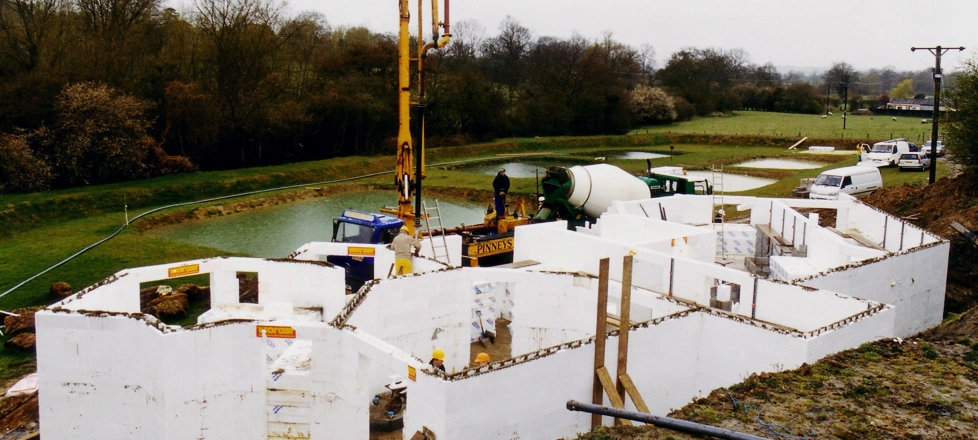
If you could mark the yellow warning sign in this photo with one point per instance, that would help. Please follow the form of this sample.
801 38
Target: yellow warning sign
412 373
275 331
180 271
360 250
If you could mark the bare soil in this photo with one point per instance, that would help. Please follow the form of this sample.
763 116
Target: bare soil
922 388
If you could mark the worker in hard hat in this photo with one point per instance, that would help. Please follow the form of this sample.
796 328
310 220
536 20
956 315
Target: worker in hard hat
481 360
437 360
500 186
402 246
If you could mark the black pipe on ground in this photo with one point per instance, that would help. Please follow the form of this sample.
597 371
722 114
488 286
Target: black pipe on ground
664 422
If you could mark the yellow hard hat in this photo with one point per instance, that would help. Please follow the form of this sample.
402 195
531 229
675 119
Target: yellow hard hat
438 354
482 357
405 228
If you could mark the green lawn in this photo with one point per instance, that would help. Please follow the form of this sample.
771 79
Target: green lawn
858 128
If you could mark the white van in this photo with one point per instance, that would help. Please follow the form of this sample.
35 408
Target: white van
856 181
886 153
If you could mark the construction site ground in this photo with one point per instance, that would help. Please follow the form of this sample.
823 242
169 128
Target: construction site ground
924 387
921 388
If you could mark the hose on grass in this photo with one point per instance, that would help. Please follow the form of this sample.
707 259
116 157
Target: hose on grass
774 429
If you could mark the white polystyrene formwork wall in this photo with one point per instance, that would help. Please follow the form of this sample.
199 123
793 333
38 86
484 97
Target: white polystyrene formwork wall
671 362
879 325
99 376
118 377
791 225
552 309
344 364
913 282
222 392
736 239
894 234
678 208
299 283
799 308
828 249
419 314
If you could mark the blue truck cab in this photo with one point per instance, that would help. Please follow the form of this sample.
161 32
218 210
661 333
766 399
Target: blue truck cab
355 227
365 228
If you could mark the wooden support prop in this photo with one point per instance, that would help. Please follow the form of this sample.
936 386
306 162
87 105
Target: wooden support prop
600 337
626 306
609 387
637 399
798 143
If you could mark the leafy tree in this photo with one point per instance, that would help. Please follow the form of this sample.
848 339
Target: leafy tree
961 124
576 87
20 170
841 77
705 78
800 97
903 90
651 105
99 136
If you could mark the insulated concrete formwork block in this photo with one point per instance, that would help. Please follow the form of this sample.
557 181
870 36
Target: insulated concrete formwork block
878 325
736 239
691 282
341 395
223 394
787 268
91 380
759 350
427 408
224 286
662 361
509 403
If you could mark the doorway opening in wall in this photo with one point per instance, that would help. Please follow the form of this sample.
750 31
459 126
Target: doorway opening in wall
176 301
247 287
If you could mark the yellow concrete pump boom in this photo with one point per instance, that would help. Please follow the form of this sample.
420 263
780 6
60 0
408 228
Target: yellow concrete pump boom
406 184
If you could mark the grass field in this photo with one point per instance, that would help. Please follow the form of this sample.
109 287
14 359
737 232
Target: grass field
38 230
858 128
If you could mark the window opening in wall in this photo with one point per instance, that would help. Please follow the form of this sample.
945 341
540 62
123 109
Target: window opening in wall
247 287
176 301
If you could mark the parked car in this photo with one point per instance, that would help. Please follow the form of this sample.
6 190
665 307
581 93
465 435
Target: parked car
926 148
914 161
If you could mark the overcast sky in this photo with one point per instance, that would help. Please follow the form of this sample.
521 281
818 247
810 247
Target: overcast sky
791 34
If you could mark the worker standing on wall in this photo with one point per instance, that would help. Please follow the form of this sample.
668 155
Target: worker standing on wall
402 246
500 186
437 360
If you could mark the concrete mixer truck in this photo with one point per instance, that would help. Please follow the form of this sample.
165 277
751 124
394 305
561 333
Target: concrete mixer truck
580 194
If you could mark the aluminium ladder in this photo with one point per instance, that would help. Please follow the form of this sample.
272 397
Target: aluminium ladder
439 248
718 211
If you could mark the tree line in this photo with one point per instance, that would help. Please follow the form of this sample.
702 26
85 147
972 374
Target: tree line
97 91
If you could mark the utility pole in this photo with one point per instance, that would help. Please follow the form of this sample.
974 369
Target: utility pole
937 52
845 103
